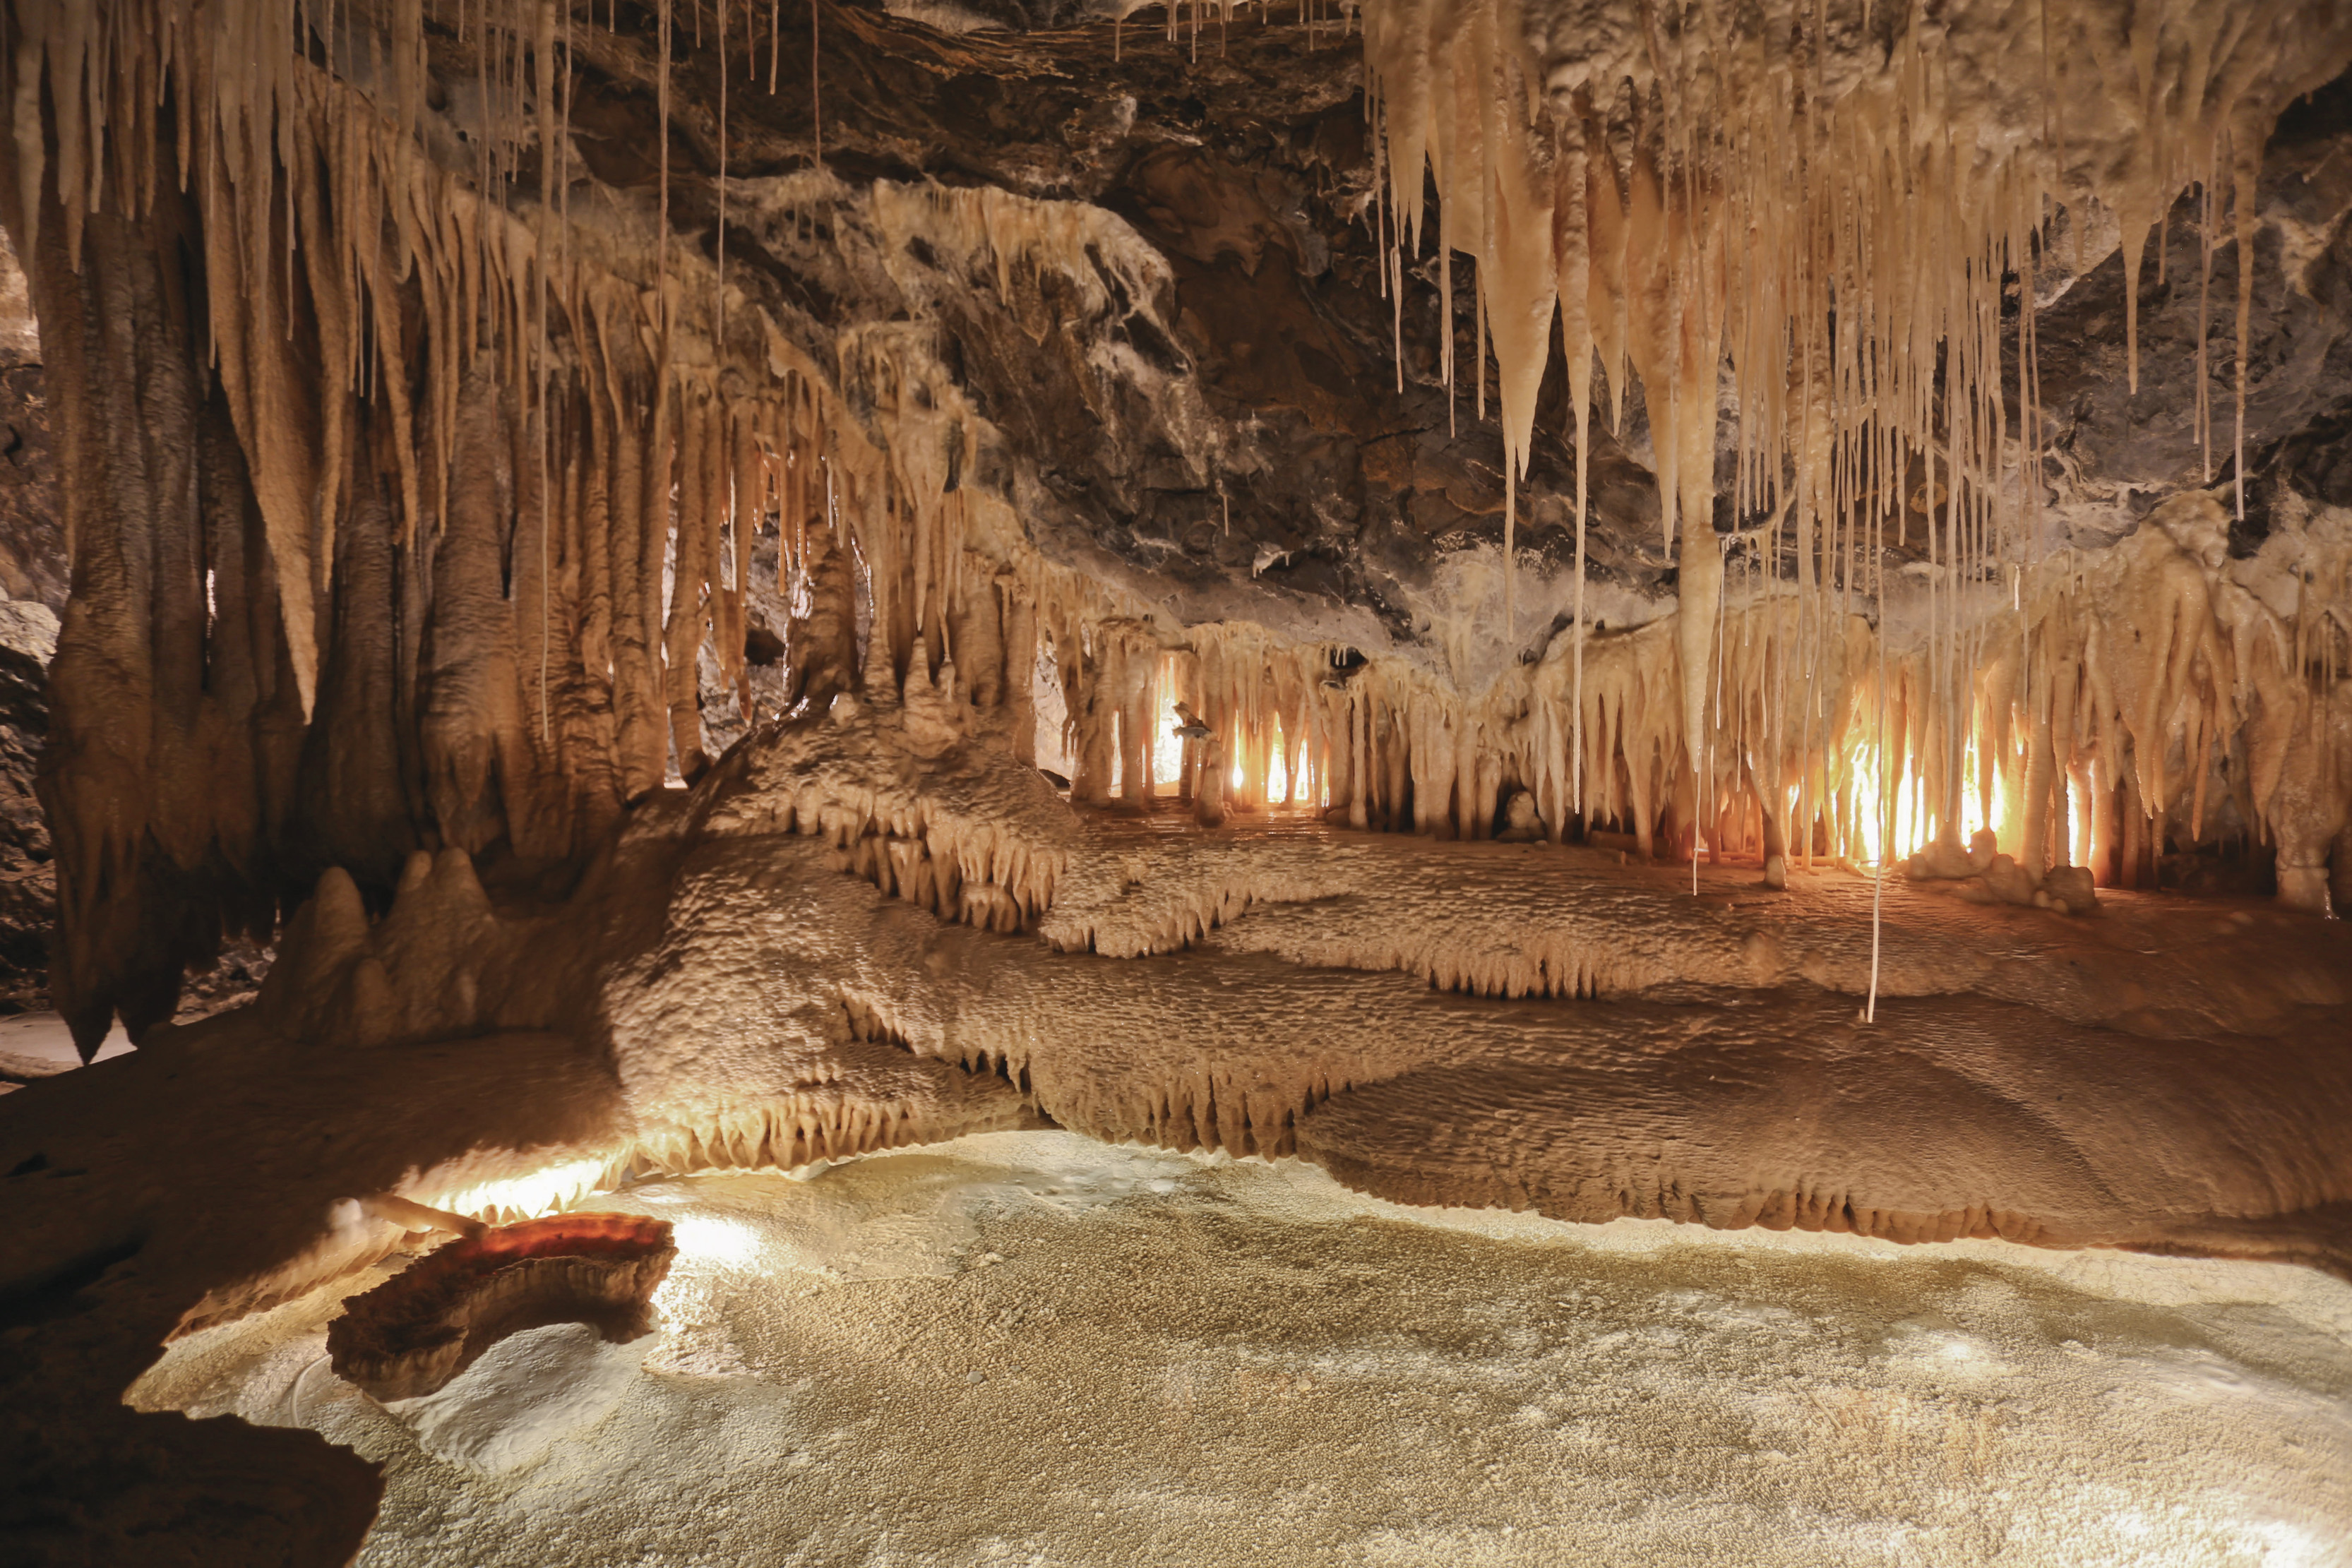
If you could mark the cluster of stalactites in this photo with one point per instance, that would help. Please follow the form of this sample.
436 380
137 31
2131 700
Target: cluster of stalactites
571 459
2103 707
1822 206
348 274
509 474
347 265
1675 220
960 870
1186 23
1218 718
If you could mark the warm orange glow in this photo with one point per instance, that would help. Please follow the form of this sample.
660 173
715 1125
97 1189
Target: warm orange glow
1277 772
1915 820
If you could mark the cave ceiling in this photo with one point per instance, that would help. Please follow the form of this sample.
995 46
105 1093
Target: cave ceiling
1249 426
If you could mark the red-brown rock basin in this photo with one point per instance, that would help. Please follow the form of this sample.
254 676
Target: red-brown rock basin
413 1333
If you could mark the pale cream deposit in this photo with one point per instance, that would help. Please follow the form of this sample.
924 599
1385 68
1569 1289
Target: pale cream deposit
1026 1348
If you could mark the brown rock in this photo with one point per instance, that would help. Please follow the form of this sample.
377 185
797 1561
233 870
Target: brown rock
413 1333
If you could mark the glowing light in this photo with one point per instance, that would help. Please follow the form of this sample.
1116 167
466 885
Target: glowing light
1870 811
1916 822
1277 771
543 1191
1167 746
2078 819
714 1239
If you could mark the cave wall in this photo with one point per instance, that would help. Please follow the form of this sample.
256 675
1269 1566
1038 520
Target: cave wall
430 489
32 577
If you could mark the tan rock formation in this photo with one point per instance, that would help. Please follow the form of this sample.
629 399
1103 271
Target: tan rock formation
441 405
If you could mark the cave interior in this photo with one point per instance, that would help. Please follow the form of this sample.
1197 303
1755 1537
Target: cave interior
609 603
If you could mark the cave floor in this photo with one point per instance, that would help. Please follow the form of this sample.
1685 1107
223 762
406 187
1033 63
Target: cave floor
1034 1348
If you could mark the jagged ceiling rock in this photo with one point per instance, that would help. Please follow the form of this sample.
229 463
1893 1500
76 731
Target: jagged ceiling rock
1232 441
1108 329
1307 479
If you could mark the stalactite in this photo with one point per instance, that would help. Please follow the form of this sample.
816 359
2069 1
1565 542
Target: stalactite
1877 208
360 300
688 622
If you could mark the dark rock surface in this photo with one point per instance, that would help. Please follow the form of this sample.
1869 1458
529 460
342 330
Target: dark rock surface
32 534
28 893
28 887
2118 453
32 590
1320 484
32 531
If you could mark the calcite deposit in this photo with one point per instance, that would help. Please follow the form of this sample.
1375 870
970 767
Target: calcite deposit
1610 609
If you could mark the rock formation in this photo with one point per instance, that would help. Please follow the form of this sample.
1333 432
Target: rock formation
1610 609
416 1330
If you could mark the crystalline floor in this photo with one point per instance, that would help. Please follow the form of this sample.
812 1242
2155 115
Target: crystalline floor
1035 1349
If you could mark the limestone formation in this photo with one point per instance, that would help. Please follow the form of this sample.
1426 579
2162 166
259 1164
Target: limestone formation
1741 616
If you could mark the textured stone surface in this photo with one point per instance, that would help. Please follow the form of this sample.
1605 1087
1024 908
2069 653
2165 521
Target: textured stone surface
1034 1344
1318 481
1516 1025
33 562
28 635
